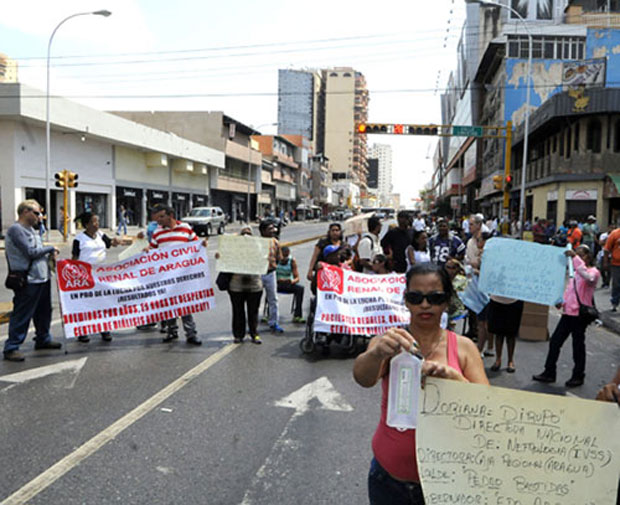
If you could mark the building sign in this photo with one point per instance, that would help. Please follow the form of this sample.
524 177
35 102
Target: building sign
455 202
552 196
582 194
469 170
129 192
586 73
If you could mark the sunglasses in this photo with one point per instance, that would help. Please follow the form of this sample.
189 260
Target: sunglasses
36 213
434 298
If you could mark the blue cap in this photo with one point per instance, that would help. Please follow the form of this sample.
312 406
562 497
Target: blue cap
329 249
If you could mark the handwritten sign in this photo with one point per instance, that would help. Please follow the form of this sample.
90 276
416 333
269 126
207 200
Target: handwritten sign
493 446
523 270
357 224
243 254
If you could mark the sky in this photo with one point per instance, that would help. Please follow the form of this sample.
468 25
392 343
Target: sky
197 55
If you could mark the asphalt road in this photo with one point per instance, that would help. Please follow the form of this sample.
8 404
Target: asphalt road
138 421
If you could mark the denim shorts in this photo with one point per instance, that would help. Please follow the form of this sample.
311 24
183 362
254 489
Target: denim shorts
383 489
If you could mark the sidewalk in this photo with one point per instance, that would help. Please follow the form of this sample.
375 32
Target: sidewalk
611 320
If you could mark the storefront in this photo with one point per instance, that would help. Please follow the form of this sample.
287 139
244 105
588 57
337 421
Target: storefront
156 197
97 203
181 204
131 199
199 201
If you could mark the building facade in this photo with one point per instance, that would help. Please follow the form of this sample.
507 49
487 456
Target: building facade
383 153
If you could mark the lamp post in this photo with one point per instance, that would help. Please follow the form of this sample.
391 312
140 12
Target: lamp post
526 126
47 109
250 168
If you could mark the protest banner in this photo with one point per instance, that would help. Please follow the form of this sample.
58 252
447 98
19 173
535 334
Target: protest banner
243 254
152 286
352 303
523 270
496 446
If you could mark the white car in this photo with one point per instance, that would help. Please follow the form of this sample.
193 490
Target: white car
206 219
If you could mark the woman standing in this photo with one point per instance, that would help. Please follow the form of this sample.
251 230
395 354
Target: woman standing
90 246
417 251
579 289
334 237
393 476
504 320
245 292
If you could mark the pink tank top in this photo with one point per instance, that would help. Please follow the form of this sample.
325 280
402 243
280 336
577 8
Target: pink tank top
395 450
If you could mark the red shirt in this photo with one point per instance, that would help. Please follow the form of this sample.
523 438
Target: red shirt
574 236
613 246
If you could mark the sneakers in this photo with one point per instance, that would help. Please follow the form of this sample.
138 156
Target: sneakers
106 337
15 356
40 346
614 308
299 320
543 378
255 339
194 340
276 328
574 382
84 339
264 319
170 337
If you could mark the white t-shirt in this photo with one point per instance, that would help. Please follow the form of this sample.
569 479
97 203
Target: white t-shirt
466 225
91 250
419 225
368 248
418 256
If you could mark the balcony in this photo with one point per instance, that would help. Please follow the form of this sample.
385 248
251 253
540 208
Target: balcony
240 152
227 183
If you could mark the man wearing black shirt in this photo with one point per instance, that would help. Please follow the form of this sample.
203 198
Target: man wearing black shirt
396 241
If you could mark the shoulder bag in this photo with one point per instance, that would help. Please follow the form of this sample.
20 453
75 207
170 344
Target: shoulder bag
16 280
587 313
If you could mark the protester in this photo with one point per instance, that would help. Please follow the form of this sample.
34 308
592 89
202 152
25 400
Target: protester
590 231
612 248
268 230
25 253
579 290
245 293
287 276
379 265
121 217
574 234
445 245
393 476
396 241
539 231
90 246
334 237
172 232
504 320
417 251
369 245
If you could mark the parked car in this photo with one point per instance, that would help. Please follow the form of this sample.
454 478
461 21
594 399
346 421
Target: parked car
206 219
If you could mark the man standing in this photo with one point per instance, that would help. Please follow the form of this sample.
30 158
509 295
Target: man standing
590 231
396 241
612 248
369 245
574 234
445 245
25 253
172 232
419 224
267 229
121 217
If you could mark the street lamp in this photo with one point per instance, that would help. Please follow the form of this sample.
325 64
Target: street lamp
526 126
103 13
250 167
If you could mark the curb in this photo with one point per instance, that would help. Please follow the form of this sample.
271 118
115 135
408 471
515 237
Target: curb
610 322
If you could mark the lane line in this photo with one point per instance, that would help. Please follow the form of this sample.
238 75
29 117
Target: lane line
56 471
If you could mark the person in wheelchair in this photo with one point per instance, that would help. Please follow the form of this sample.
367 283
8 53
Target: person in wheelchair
287 275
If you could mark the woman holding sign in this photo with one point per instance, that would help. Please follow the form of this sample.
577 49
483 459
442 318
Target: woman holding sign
393 476
91 246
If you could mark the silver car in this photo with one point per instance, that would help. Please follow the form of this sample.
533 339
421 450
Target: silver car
206 219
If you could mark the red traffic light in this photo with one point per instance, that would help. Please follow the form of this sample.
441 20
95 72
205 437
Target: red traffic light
361 128
508 179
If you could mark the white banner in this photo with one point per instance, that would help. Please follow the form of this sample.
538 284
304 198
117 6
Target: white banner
149 287
359 304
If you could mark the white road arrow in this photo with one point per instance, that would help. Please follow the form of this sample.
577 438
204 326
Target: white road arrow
301 400
71 368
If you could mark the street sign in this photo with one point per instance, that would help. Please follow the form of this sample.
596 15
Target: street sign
467 131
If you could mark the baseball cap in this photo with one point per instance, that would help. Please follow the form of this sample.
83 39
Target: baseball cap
329 249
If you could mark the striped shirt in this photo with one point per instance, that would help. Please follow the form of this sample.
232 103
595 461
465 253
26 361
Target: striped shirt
179 234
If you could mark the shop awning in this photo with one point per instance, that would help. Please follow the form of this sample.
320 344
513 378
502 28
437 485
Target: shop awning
615 178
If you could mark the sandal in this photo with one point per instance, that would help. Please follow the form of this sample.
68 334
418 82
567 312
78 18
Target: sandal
511 369
495 367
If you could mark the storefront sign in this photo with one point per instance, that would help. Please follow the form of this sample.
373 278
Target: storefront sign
455 202
159 196
149 287
552 196
129 192
179 196
582 194
352 303
587 73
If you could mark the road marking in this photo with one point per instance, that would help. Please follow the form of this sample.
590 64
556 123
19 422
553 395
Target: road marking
272 469
74 366
56 471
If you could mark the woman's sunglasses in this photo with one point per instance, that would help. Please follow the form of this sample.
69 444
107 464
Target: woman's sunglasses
434 298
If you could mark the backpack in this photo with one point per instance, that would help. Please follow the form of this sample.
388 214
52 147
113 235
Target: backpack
357 264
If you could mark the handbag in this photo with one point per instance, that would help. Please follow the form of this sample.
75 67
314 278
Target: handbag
587 313
16 280
223 280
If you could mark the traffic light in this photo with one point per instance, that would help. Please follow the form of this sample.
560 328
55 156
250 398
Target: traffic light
61 180
508 183
498 181
397 129
72 178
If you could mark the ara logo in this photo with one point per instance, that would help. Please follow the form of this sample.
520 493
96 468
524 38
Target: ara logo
331 278
75 275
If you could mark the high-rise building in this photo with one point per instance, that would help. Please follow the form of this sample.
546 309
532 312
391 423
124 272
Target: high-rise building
8 69
383 153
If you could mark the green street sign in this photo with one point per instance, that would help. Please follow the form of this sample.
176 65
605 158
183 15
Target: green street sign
467 131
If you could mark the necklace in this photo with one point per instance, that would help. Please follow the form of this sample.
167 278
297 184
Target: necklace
425 355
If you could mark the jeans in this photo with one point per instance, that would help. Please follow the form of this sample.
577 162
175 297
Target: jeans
615 284
189 326
239 302
297 291
566 326
270 284
122 224
383 489
33 302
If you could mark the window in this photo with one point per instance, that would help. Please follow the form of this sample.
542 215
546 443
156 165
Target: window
552 48
577 137
593 138
532 9
617 137
568 142
561 144
521 7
